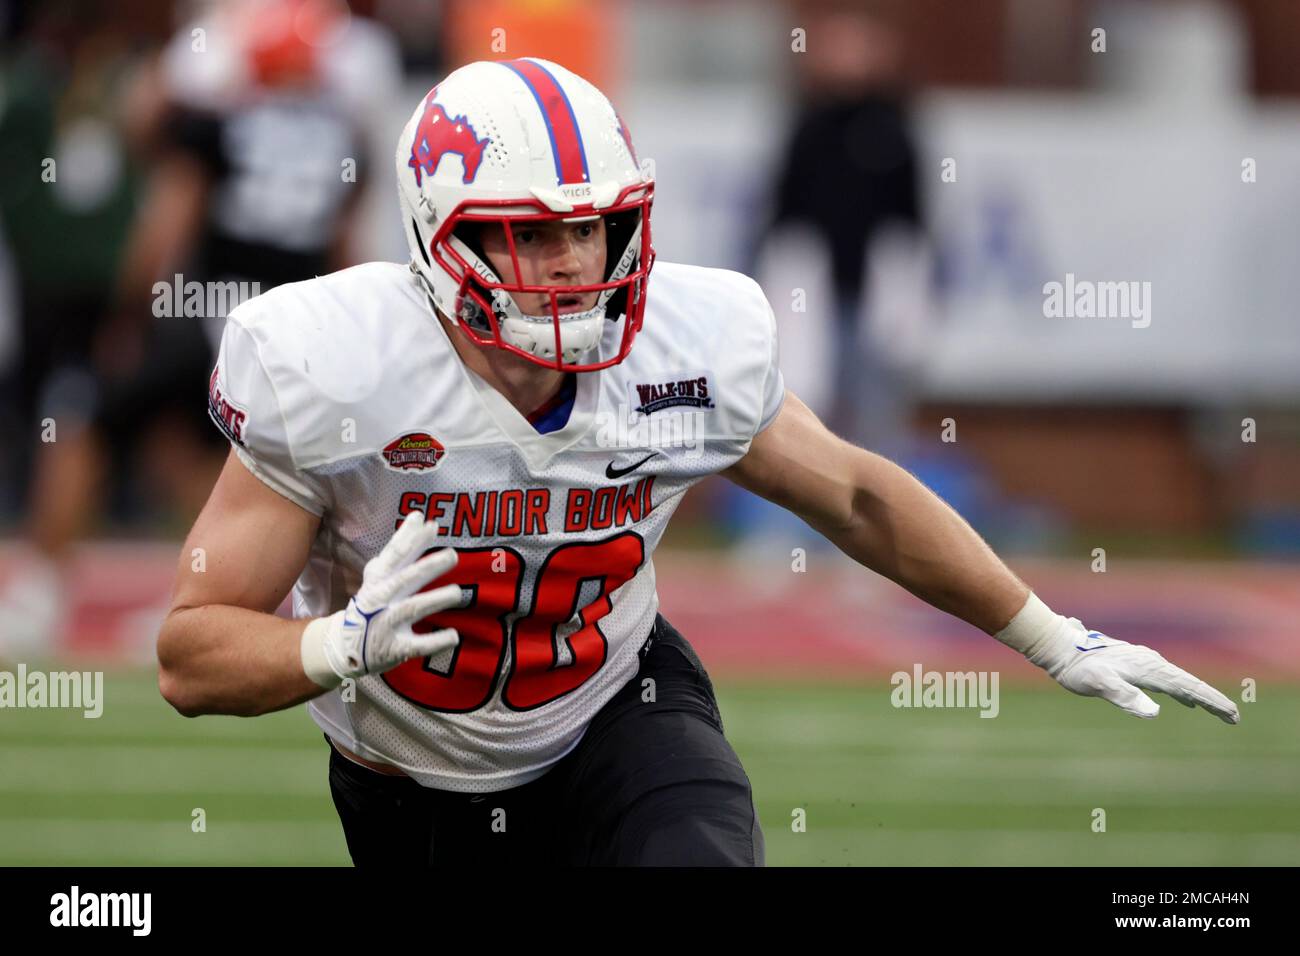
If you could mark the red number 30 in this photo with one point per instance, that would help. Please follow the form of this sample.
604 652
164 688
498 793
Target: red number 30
536 676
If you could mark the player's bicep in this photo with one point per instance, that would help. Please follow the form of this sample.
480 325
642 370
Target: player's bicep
247 547
799 464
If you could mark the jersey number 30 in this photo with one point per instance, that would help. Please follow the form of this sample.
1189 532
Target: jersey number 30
536 677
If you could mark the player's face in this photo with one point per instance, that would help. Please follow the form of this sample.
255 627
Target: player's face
550 253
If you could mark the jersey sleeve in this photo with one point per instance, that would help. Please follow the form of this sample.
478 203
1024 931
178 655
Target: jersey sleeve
773 381
243 404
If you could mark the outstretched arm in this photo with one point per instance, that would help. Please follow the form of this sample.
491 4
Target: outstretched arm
882 517
879 515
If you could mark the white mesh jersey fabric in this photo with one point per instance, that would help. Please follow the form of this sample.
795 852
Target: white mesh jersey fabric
322 376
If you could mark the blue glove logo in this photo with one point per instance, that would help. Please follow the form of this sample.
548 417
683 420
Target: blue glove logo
1093 636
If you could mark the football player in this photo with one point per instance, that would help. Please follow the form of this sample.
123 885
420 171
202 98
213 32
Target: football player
449 462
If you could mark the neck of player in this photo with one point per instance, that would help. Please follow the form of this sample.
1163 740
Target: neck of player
526 385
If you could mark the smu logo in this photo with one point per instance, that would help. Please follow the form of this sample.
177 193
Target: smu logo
226 416
438 134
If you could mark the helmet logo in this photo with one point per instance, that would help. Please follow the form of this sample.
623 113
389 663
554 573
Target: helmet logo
438 134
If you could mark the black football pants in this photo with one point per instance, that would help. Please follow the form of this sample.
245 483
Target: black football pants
652 783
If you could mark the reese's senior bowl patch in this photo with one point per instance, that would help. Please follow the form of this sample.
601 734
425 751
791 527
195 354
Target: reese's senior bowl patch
414 451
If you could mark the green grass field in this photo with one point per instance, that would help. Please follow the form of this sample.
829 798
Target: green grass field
878 785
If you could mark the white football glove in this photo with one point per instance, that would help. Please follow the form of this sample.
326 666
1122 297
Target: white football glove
1094 665
373 633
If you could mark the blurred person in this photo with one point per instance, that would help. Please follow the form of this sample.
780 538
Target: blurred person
844 230
258 167
67 189
846 194
478 630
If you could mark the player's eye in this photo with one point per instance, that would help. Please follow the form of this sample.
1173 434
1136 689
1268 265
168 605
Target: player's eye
586 230
525 235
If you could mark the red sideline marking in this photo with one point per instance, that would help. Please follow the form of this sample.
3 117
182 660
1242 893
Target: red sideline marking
1227 620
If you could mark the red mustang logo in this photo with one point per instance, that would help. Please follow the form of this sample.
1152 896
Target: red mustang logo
439 134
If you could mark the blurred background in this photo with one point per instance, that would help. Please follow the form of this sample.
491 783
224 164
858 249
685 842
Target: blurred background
905 179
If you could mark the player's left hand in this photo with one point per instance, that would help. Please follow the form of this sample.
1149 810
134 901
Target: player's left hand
1095 665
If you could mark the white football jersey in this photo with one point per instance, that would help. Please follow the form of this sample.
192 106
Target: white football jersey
345 395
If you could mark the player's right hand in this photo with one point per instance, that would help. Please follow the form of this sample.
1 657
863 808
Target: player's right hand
373 633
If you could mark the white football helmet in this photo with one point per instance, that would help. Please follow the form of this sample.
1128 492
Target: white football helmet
524 141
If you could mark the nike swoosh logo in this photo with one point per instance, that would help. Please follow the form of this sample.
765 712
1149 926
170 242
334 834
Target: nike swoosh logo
1092 635
612 472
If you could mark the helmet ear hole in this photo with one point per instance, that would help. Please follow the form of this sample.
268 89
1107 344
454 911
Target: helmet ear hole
419 243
